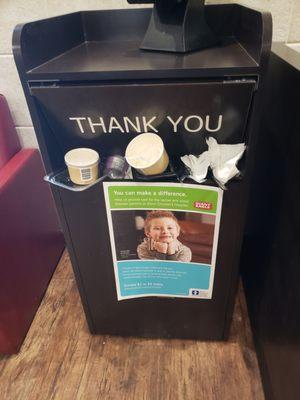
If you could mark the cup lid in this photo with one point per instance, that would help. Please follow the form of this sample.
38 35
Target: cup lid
81 157
144 150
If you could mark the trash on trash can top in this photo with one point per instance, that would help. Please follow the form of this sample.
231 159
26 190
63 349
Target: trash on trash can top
82 165
146 153
221 158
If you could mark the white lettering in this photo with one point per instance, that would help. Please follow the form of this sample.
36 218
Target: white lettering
78 120
136 126
148 124
114 124
175 123
192 123
100 123
197 118
207 120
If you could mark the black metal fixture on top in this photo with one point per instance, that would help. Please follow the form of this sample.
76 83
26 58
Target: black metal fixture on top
177 26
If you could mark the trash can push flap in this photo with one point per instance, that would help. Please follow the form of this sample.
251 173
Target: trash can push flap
182 113
86 217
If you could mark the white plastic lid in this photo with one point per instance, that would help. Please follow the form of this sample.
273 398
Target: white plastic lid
81 157
144 150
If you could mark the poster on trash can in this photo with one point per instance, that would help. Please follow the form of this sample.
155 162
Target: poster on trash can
164 238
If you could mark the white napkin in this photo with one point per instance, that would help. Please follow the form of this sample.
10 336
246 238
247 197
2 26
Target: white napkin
221 158
197 165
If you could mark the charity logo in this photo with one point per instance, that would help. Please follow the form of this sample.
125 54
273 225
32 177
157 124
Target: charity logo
203 205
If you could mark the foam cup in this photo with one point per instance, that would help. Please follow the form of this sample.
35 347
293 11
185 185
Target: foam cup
82 165
146 153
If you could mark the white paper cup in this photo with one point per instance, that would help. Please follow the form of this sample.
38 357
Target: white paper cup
82 165
146 153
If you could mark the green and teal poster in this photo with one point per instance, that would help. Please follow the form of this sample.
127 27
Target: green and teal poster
164 238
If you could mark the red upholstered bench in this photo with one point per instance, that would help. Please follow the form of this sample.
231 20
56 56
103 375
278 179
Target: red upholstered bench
30 239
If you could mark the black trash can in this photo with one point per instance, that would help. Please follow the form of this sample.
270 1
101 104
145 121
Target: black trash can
88 84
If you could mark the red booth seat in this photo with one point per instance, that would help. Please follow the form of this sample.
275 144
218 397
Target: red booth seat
30 239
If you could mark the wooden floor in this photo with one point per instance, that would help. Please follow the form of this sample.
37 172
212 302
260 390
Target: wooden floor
61 360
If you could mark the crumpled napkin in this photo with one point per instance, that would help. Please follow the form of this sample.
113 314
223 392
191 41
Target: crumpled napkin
197 166
221 158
